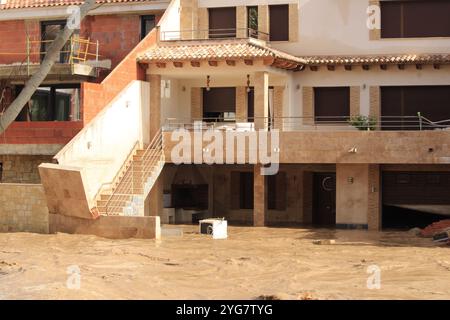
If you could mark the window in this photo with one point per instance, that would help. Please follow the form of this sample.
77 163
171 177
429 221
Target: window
219 104
252 21
276 191
147 25
222 22
331 104
279 22
49 32
53 103
415 19
400 105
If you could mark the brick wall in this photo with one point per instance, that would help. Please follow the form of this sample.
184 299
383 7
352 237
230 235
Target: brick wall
19 213
13 44
22 168
45 132
97 96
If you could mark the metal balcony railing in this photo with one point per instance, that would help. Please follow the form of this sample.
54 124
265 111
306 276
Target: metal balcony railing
239 33
325 123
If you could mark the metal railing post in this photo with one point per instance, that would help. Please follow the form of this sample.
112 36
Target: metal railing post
420 120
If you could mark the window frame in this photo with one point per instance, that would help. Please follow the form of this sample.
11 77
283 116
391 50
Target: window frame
144 18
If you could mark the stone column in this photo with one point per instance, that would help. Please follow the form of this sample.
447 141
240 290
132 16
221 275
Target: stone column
155 104
263 22
358 195
241 104
259 197
261 100
196 103
278 102
355 101
374 199
241 22
308 105
293 22
375 104
188 19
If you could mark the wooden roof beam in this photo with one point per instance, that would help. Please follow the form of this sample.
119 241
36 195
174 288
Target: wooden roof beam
195 64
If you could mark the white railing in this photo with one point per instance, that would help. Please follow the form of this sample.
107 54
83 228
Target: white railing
128 196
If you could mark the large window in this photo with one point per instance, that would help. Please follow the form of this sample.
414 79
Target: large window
279 22
331 104
400 105
147 25
222 22
53 103
219 104
49 32
415 18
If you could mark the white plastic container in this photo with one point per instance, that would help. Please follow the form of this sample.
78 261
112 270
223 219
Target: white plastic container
215 227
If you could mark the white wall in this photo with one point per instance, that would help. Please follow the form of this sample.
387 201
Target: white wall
170 21
358 77
330 27
104 144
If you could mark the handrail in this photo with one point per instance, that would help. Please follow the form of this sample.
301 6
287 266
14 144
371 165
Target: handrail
133 182
295 123
127 161
203 34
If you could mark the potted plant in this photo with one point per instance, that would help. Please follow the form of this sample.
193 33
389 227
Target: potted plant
363 123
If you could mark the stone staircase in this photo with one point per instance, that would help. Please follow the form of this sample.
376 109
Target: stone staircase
126 195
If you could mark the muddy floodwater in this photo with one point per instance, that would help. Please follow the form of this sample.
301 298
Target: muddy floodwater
253 262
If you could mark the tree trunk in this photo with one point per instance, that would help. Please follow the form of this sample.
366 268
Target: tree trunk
35 81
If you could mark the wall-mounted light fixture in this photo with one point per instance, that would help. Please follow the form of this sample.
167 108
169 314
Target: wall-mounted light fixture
276 150
208 83
350 180
248 83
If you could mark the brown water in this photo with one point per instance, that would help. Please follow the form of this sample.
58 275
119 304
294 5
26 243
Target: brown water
251 263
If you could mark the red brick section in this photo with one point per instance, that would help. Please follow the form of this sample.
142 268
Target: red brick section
53 132
435 228
13 44
97 96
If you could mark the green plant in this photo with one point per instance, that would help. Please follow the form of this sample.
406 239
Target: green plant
363 123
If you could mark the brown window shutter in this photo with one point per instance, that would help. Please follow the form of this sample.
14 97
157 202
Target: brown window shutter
279 22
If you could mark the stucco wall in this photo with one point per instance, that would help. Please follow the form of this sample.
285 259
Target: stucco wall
23 208
103 145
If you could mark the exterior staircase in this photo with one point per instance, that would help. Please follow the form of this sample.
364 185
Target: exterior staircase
127 193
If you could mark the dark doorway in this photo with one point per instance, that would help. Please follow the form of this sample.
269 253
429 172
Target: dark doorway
324 199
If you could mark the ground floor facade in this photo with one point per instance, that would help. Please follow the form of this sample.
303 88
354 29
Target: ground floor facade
350 196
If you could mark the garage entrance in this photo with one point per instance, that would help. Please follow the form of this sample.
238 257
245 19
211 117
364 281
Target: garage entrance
415 199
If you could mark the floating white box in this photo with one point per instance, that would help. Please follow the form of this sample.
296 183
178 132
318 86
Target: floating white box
215 227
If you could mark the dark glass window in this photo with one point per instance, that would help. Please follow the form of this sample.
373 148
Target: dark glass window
147 25
222 22
415 18
252 21
331 104
53 103
49 32
279 22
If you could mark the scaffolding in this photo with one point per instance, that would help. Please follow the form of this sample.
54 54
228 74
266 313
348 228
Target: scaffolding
76 50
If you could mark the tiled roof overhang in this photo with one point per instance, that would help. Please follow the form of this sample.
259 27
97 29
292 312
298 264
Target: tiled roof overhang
220 50
414 59
25 4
